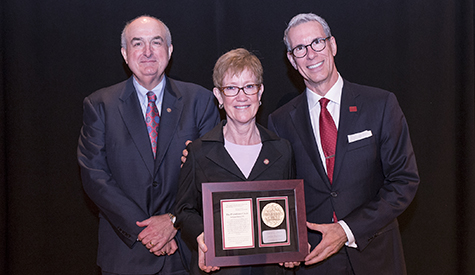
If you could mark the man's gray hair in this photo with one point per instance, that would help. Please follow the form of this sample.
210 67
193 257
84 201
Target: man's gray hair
168 35
304 18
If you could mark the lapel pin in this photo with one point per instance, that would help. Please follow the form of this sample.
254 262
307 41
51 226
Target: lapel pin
266 161
169 110
353 109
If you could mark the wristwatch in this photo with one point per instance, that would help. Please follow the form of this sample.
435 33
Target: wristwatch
172 219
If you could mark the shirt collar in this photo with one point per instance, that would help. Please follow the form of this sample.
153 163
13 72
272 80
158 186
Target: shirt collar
334 94
142 91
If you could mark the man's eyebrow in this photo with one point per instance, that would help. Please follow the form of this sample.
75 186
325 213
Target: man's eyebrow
158 37
141 39
309 44
136 39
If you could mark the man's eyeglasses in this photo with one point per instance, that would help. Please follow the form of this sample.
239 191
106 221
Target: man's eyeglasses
249 89
317 45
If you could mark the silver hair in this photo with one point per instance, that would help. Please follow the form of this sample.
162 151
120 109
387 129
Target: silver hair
304 18
123 41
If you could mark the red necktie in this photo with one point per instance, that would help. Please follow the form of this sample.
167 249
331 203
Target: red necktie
328 135
152 119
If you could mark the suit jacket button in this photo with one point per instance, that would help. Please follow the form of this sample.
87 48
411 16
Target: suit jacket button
334 194
155 184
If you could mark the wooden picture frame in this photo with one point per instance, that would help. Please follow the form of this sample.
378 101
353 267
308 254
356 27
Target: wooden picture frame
254 222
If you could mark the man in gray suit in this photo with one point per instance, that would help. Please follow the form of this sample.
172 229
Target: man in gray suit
128 171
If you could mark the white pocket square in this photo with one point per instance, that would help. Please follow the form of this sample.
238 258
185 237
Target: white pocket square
359 136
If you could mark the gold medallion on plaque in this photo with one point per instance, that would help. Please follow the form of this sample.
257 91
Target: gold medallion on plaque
273 214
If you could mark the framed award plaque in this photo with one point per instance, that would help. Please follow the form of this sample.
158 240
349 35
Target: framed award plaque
254 222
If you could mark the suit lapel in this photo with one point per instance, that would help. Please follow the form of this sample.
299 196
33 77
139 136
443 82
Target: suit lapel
267 157
348 118
133 118
172 108
302 125
221 157
218 153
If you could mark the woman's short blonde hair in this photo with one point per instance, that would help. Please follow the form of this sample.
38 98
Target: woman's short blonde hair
235 62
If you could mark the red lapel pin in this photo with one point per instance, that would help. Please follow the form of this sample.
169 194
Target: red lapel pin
353 109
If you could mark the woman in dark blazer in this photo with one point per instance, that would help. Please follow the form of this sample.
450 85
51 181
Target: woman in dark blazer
238 149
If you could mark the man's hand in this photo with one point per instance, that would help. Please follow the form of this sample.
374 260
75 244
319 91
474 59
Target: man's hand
333 239
185 153
168 249
202 248
158 232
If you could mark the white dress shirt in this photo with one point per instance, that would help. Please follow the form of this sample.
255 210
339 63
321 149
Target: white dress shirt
333 107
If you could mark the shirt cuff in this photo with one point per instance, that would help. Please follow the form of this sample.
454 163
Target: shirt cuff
349 235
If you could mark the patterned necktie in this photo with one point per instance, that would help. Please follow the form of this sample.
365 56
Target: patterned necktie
152 119
328 134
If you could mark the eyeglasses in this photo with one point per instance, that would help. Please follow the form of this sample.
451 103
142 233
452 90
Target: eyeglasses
317 45
249 89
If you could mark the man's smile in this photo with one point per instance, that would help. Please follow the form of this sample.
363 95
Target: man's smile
315 65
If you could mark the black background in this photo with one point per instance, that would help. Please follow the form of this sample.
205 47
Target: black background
54 53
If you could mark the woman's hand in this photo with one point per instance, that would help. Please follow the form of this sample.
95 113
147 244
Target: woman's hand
202 249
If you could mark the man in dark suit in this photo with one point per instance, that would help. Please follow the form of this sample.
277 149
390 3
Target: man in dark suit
129 172
356 188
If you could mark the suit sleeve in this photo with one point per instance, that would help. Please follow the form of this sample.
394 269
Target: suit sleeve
207 117
291 166
401 178
210 116
189 202
98 181
270 125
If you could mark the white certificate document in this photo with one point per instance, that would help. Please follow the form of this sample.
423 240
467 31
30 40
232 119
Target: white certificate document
237 224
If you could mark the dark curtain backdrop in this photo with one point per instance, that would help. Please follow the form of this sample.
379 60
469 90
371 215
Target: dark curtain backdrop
54 53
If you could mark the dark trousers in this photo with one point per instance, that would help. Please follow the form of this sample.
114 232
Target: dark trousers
172 266
337 264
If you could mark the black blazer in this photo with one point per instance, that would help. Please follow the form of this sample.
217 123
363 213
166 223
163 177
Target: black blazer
119 172
208 161
375 176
